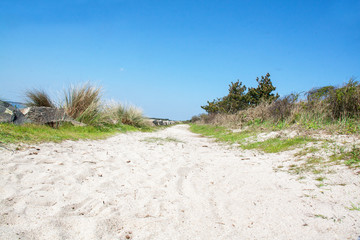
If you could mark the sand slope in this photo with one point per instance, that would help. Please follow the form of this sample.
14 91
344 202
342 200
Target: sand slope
144 186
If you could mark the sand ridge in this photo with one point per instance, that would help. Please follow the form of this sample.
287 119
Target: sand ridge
170 184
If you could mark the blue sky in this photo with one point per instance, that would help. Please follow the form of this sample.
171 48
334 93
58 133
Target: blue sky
170 57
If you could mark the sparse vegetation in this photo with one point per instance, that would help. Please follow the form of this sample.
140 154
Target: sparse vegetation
330 109
274 145
160 141
354 207
271 145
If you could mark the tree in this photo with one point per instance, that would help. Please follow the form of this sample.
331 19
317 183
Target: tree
237 98
231 103
263 91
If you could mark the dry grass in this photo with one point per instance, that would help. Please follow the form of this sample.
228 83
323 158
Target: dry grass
83 103
38 98
115 113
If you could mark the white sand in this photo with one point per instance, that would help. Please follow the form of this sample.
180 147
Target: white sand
128 188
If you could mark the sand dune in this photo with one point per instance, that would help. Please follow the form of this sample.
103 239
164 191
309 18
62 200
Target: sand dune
170 184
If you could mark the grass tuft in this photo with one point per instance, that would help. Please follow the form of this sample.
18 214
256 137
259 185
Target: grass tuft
117 113
38 98
82 103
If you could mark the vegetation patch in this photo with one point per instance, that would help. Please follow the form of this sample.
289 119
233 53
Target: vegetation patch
274 145
160 140
29 133
350 158
221 133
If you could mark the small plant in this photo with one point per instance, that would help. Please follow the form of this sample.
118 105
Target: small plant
38 98
354 159
320 216
320 179
354 207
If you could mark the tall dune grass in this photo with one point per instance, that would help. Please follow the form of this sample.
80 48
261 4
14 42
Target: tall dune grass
38 98
117 113
82 103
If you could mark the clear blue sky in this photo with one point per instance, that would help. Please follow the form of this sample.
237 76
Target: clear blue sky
170 57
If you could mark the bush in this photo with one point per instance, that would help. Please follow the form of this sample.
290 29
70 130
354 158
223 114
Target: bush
345 101
282 108
38 98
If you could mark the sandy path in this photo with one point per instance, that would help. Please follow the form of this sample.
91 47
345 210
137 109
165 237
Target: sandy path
133 187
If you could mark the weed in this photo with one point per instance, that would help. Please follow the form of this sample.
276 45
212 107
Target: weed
354 157
320 179
354 207
320 216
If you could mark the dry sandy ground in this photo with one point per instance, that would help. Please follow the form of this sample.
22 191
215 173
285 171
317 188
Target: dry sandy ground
144 186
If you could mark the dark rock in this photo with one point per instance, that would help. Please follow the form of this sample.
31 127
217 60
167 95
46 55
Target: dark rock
10 114
49 116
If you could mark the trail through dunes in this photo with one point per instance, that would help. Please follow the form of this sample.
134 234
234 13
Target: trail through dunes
170 184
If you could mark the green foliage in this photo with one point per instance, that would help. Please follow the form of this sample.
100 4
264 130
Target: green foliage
238 99
263 93
38 98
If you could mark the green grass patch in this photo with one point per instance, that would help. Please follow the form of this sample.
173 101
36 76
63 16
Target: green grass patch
274 145
221 133
29 133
